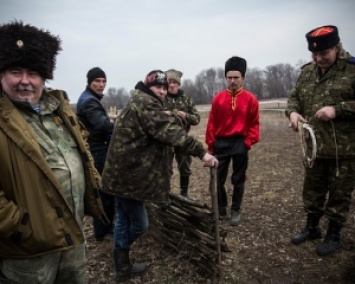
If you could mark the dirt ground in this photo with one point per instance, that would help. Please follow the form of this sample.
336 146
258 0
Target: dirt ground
261 251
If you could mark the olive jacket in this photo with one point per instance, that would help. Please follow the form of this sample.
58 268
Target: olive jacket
335 88
35 218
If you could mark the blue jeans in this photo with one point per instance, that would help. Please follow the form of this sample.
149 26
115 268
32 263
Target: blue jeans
131 222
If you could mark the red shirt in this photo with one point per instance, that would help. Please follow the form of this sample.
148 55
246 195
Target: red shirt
233 115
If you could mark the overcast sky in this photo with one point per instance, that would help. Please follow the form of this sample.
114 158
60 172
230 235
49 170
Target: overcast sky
129 38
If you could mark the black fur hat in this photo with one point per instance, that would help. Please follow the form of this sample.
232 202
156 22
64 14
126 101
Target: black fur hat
236 63
322 38
28 47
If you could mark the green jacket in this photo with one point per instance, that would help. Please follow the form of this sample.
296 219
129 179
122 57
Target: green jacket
184 103
336 88
35 218
137 164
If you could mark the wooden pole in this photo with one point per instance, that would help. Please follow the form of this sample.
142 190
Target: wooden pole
213 191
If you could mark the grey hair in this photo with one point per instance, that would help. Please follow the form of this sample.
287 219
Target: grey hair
342 53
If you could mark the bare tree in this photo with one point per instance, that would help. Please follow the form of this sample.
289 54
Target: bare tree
279 80
115 97
254 82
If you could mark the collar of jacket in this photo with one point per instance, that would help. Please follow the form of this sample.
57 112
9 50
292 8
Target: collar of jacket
179 94
140 86
99 97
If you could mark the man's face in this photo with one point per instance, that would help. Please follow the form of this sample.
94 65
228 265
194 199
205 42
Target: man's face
234 80
22 85
98 86
173 87
325 58
159 90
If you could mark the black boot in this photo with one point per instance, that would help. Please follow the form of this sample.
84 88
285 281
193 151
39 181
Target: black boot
310 232
184 186
124 268
331 242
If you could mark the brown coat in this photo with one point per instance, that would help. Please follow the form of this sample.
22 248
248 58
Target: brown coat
35 218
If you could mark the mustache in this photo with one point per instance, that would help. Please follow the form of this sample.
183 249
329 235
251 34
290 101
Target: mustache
27 88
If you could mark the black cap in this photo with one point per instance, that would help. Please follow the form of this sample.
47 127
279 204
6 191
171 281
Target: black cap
156 77
95 73
322 38
236 63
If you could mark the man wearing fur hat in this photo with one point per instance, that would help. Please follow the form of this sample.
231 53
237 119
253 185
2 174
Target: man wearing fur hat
324 97
96 120
179 105
136 168
232 128
48 179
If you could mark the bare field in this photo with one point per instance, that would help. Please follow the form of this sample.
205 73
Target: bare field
261 251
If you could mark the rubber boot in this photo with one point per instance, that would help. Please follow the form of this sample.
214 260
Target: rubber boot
235 218
184 186
237 198
124 268
331 242
310 232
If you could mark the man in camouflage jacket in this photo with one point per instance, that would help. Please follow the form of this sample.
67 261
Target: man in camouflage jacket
136 168
181 106
324 97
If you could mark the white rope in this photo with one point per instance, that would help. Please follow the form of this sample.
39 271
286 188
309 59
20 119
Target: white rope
307 161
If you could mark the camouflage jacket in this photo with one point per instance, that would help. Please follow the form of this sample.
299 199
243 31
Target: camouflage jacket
36 218
137 164
336 88
182 102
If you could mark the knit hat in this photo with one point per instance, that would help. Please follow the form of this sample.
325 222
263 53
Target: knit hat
175 75
236 63
156 77
322 38
27 46
95 73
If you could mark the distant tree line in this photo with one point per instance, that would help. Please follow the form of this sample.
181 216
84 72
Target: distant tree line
275 81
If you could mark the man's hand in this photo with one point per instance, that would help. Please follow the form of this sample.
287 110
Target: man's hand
210 161
294 119
326 113
182 114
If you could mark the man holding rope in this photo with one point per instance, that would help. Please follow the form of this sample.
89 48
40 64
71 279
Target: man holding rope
324 97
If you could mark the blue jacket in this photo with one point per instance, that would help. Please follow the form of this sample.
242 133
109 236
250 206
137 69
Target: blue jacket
94 116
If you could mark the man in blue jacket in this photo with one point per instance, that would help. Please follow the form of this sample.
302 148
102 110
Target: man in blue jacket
94 116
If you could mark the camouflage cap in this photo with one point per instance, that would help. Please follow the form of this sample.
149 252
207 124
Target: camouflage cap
322 38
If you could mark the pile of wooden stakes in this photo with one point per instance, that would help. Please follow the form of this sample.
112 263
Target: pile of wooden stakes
192 229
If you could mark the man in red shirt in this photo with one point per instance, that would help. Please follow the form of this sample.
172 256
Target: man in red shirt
233 126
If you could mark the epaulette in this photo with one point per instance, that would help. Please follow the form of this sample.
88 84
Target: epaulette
65 95
309 63
58 93
351 60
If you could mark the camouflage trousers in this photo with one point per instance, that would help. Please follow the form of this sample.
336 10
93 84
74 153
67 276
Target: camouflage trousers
54 268
183 163
328 187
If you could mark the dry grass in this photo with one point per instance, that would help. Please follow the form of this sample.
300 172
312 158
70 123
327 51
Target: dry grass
261 251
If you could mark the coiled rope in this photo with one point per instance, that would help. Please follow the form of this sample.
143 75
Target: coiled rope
307 161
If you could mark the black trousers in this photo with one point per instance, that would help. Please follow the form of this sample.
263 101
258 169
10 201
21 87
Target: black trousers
108 200
227 150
